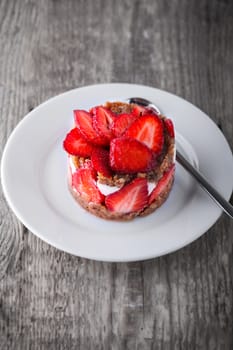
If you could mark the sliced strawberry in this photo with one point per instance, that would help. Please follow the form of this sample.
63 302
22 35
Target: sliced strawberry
83 121
149 130
169 127
84 181
103 119
138 110
162 184
131 198
122 122
100 161
128 155
141 110
76 145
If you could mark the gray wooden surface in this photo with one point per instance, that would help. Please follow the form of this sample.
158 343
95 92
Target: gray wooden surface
52 300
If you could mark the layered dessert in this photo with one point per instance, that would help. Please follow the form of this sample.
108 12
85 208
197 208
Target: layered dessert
121 160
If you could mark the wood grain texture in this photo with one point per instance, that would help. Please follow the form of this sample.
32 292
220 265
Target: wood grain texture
53 300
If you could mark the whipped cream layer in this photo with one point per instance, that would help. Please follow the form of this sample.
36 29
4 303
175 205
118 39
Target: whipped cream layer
106 189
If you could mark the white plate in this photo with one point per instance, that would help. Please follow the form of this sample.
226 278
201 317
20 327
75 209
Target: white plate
34 179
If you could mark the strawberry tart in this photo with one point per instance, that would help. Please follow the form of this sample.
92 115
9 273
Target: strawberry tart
121 160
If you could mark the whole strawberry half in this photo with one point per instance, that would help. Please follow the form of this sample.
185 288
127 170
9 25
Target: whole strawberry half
76 145
84 181
162 184
83 121
133 197
128 155
103 119
149 130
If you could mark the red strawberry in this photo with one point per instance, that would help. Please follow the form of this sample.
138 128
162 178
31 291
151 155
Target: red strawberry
128 155
83 121
138 110
132 197
84 181
100 161
76 144
169 127
122 122
149 130
162 184
103 119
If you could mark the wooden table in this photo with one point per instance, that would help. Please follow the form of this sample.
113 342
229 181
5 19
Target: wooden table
52 300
